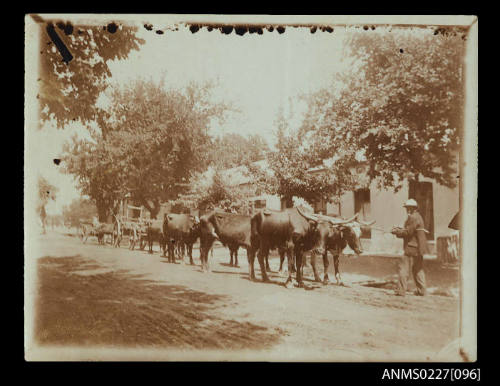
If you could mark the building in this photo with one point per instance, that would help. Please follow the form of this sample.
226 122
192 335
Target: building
240 178
437 205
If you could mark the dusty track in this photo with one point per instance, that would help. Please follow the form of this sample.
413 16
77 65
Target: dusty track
90 296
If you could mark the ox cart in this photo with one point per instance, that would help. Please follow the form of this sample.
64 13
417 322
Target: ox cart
85 230
135 230
100 231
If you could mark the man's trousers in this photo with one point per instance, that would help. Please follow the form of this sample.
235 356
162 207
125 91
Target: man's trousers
415 265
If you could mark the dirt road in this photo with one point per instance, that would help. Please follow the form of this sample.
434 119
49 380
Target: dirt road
115 303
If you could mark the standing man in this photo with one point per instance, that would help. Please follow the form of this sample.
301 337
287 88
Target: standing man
415 246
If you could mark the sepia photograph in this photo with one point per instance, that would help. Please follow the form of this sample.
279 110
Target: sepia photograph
276 188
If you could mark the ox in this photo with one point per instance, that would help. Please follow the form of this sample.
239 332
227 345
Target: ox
102 230
292 232
85 230
341 234
154 232
182 230
349 234
231 229
233 254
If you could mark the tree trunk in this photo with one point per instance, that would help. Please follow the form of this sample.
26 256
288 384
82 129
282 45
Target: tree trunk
152 209
102 211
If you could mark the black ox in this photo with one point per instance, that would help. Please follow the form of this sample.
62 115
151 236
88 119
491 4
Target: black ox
154 232
231 229
180 230
341 234
292 232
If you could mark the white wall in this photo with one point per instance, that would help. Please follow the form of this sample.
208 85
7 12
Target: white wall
387 210
272 202
386 207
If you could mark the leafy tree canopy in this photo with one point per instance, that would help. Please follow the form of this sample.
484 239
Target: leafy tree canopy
155 139
79 210
400 106
232 150
69 88
295 172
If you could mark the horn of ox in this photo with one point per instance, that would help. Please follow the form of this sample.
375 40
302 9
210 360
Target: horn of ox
331 220
336 221
308 216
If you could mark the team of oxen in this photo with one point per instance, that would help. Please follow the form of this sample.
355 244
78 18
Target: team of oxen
293 232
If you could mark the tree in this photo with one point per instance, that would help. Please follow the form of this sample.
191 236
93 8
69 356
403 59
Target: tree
209 190
91 163
156 140
293 170
69 88
46 192
55 220
399 106
232 150
80 209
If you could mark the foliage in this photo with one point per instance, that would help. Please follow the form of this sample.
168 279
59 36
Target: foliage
55 220
91 163
155 140
212 190
295 173
399 105
232 150
69 91
79 210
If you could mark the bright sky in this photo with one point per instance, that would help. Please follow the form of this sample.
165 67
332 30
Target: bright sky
258 74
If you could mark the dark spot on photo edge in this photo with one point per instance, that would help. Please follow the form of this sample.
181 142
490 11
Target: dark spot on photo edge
240 30
112 28
227 29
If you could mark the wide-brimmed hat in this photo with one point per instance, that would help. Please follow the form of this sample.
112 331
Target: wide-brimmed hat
410 203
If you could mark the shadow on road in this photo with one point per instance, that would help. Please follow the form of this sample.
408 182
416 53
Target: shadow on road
121 309
381 268
229 265
227 272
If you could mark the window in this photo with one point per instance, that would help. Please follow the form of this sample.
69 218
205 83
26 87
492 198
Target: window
422 193
320 206
362 206
286 203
